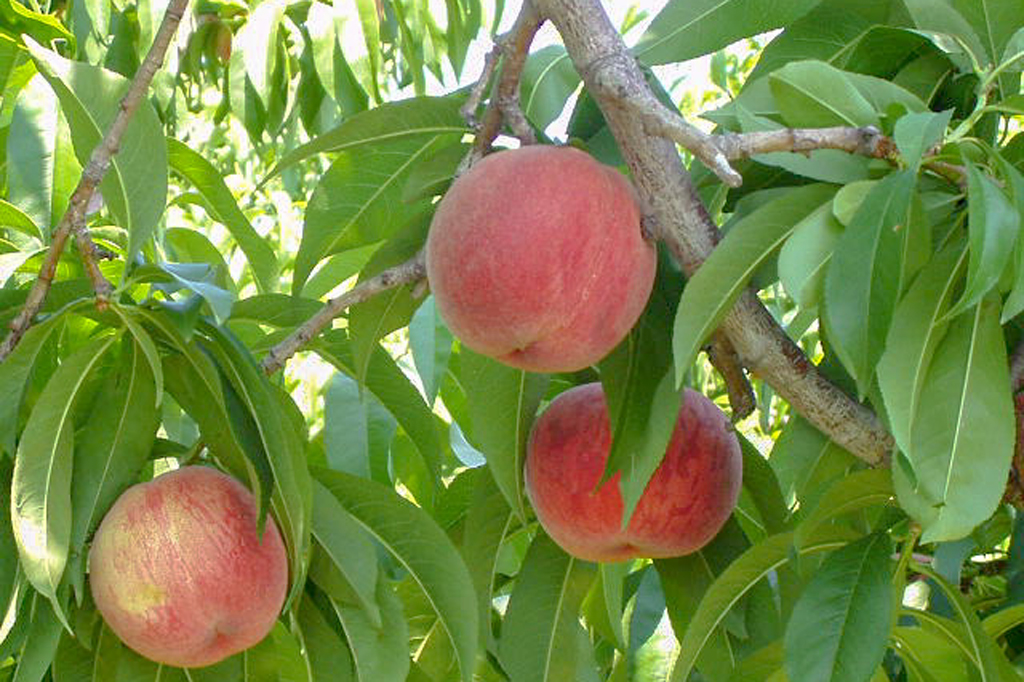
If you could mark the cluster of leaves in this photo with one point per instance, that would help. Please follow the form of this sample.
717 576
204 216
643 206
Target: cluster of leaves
413 551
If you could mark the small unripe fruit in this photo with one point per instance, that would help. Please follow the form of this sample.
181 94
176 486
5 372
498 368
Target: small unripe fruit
179 573
536 258
687 501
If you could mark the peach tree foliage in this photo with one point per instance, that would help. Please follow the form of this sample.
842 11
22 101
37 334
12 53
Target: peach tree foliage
413 551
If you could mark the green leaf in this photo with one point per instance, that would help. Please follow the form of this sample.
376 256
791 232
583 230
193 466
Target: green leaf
805 460
18 19
197 278
989 658
1014 303
114 444
41 490
863 280
502 402
735 581
840 625
945 23
918 326
329 656
223 208
389 384
549 79
488 522
325 24
41 167
12 217
135 186
41 643
1004 620
357 430
716 285
419 117
761 484
346 544
422 548
17 369
10 571
359 199
993 223
917 133
688 28
257 42
373 319
276 310
962 437
928 656
813 94
539 631
856 491
292 484
371 34
431 345
805 256
378 652
685 581
336 269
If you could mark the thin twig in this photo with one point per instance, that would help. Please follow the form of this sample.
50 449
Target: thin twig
866 141
724 358
503 106
410 272
479 89
613 77
99 162
91 256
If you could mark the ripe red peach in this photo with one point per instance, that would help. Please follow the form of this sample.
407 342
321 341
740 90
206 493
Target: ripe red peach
687 501
536 258
179 573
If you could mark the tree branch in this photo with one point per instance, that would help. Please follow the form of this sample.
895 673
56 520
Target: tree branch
866 141
503 106
680 218
409 272
73 219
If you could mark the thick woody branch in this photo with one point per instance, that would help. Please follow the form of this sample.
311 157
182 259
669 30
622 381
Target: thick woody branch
503 106
866 141
73 219
680 218
411 271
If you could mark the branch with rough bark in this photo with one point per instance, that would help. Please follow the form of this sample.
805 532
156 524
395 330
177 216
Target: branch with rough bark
678 216
73 220
503 107
866 141
411 271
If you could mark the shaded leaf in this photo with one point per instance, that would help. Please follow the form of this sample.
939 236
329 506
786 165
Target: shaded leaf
840 625
539 631
422 547
863 280
711 291
502 402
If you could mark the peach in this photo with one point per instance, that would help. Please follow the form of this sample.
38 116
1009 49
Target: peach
179 573
536 258
687 501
